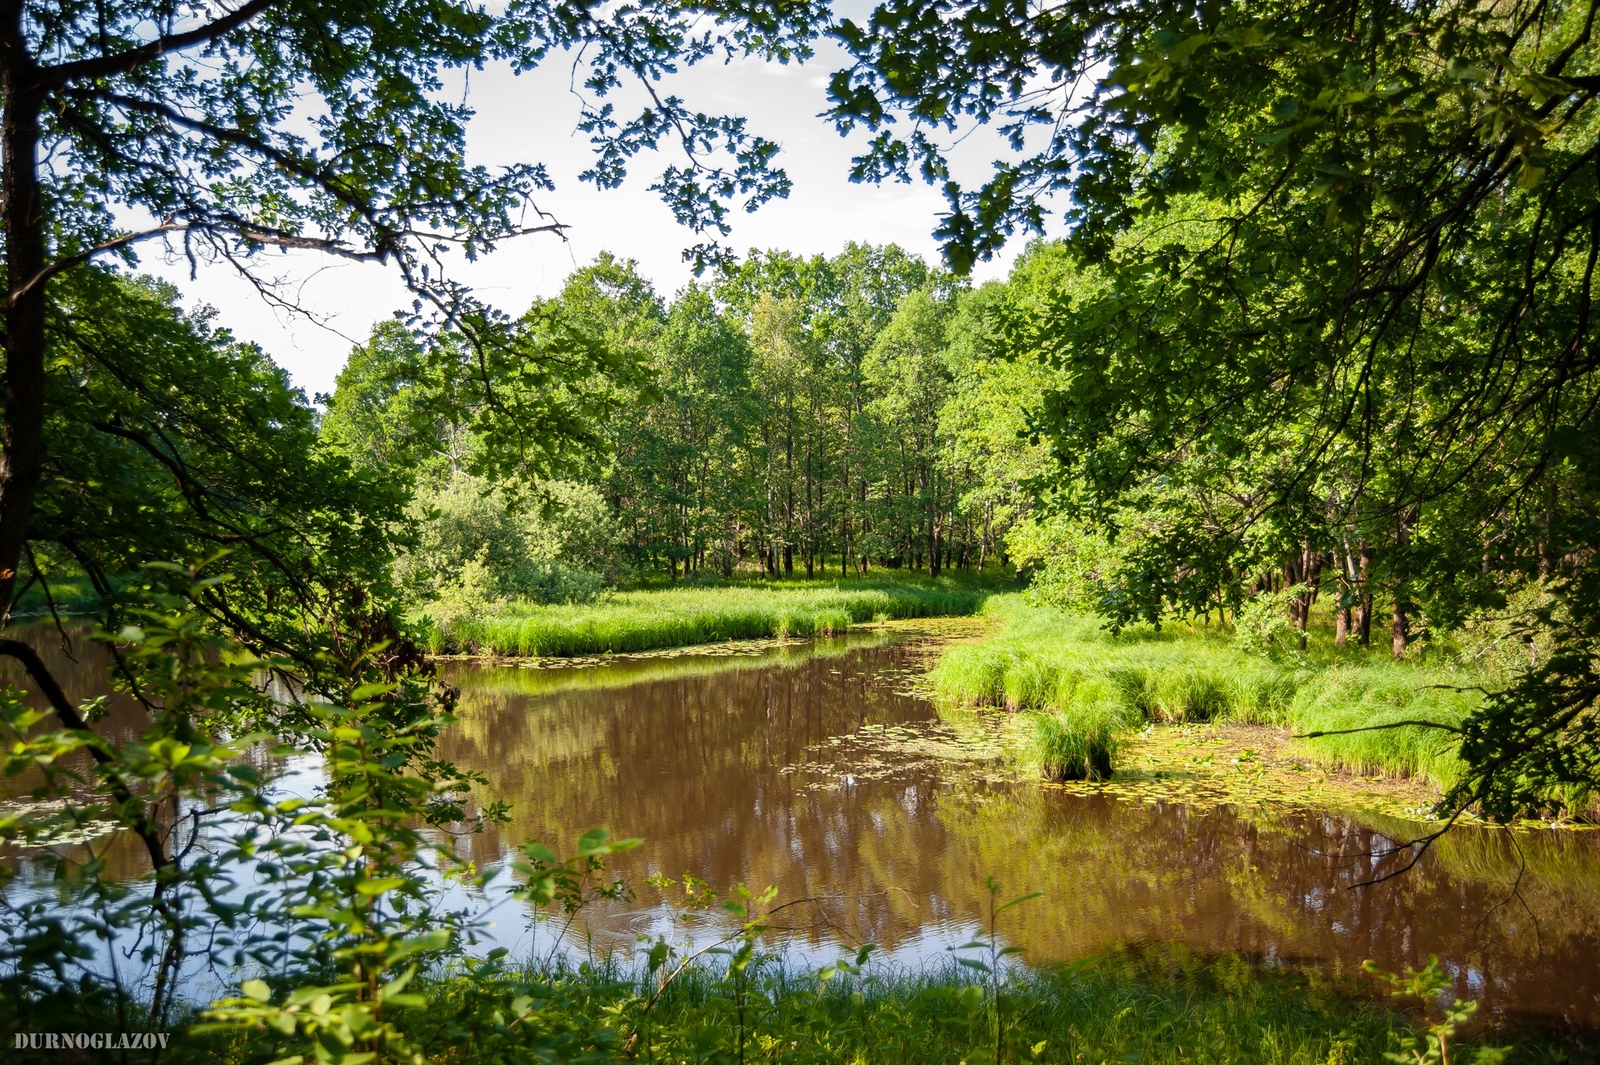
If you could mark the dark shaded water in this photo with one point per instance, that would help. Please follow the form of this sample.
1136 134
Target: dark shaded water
698 757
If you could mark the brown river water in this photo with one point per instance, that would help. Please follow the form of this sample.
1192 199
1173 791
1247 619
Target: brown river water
818 769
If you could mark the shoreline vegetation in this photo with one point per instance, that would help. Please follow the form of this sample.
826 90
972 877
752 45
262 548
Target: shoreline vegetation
650 619
1154 1004
1141 1003
1185 705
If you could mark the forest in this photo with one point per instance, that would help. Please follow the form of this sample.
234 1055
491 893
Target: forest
793 417
1183 648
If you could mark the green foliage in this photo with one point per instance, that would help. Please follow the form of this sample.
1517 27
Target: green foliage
1297 350
1261 625
1428 986
474 551
1068 564
829 414
169 131
1148 1005
172 440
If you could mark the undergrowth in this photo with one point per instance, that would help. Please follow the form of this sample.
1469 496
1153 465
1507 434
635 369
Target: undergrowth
1150 1004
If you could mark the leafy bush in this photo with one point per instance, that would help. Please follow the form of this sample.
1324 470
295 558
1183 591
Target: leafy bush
1262 624
474 552
1066 562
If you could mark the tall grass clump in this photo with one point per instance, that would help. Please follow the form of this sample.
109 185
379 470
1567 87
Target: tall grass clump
1089 686
1081 745
648 620
1348 696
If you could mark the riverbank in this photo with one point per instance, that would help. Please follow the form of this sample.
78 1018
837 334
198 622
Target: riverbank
1096 701
657 618
1151 1004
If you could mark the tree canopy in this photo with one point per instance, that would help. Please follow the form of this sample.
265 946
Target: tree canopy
1334 309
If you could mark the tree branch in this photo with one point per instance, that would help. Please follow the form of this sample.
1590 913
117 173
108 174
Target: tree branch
125 62
78 259
139 822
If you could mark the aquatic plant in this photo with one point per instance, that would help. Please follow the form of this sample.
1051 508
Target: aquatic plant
1081 745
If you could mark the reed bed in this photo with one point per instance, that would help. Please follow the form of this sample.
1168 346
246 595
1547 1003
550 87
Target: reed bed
1079 680
678 617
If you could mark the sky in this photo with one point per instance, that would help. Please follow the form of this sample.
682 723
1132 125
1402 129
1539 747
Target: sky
532 118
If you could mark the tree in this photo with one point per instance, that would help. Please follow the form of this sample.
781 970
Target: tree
837 307
318 126
145 466
991 452
132 433
911 384
1346 255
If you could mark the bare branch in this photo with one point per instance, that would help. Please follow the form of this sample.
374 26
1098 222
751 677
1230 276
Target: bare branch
1378 728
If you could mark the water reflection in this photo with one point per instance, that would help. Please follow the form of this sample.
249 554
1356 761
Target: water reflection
816 768
699 759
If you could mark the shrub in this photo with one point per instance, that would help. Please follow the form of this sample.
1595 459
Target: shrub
474 553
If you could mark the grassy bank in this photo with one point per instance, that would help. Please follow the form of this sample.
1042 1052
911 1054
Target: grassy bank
1154 1005
651 619
1089 688
1151 1005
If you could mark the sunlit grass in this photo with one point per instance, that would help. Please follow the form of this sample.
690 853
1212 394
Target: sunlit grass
1081 679
677 617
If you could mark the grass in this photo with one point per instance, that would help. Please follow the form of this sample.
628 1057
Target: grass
647 620
1079 680
68 595
544 677
1082 745
1150 1005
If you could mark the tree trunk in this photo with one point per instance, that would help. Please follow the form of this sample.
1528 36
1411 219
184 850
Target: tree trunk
1341 617
1400 626
1309 578
983 545
22 435
1364 604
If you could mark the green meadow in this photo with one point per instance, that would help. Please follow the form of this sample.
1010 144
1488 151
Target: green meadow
655 618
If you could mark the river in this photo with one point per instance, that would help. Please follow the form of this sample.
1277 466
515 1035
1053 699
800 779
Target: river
818 768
